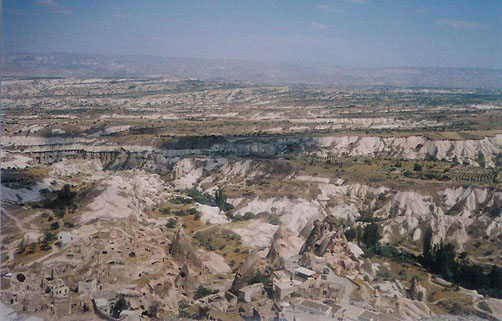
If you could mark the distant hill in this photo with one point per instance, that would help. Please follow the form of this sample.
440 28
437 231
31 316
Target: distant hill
80 65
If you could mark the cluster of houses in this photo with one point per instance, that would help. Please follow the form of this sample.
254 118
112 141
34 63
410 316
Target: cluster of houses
28 292
297 293
302 294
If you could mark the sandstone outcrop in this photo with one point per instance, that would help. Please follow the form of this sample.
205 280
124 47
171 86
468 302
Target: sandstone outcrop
247 271
332 245
182 251
284 245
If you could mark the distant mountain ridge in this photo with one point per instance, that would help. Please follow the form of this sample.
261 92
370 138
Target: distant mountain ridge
93 65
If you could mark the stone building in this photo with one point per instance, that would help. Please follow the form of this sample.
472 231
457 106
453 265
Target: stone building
57 288
87 287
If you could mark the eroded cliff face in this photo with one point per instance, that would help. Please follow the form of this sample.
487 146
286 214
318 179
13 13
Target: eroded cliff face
485 152
414 147
456 213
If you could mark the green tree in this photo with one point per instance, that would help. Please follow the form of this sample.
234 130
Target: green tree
49 236
495 277
350 234
258 278
481 159
444 260
427 243
118 307
248 216
171 223
371 235
203 291
220 199
359 235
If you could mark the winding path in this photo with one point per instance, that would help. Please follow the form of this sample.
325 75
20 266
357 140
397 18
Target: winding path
17 222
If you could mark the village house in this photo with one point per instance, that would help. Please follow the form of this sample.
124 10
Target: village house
304 273
57 288
65 237
102 305
281 275
367 316
87 287
250 292
284 288
61 306
265 313
129 315
307 310
312 307
217 301
371 316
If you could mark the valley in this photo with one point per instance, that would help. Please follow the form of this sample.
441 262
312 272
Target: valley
166 198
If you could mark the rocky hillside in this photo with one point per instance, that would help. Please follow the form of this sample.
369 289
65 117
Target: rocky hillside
485 152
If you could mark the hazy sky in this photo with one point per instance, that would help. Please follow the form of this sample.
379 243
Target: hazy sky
356 33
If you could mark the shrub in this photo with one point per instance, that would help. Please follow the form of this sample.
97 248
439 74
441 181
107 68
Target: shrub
258 278
181 200
274 220
202 198
350 234
64 199
192 211
248 216
59 212
118 307
49 236
203 292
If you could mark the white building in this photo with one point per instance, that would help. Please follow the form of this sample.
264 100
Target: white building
284 288
102 305
248 293
370 316
58 288
304 273
65 237
87 287
129 315
312 307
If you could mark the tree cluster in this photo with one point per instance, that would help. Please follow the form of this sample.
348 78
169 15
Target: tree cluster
61 200
442 259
